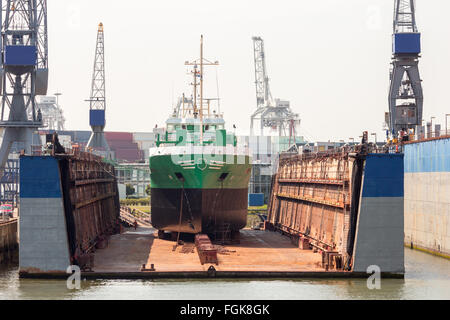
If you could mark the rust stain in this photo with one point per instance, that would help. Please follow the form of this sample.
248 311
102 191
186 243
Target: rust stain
310 202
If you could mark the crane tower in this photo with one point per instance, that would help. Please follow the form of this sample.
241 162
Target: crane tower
97 120
24 71
405 94
277 114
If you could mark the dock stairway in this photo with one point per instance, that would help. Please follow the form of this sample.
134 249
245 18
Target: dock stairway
129 216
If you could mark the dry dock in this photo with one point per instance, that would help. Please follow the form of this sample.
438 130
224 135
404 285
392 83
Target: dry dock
260 254
258 251
331 215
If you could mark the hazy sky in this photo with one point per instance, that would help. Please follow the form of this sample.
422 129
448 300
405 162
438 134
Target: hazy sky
330 58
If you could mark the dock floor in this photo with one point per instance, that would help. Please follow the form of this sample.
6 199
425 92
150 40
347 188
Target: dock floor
126 252
258 251
260 254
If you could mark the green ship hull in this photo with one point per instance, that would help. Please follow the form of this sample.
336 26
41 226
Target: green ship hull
199 193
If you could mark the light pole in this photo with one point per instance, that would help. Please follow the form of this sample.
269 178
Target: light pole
374 134
446 121
57 97
432 127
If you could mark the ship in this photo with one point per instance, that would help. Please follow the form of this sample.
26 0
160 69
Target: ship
199 175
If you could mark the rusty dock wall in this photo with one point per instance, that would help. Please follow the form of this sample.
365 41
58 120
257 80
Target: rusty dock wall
69 204
348 206
8 239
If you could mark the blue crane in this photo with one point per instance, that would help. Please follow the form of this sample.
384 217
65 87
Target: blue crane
405 94
24 71
97 142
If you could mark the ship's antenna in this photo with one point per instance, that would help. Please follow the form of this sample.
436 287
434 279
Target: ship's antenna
203 62
173 94
183 114
218 94
201 90
195 89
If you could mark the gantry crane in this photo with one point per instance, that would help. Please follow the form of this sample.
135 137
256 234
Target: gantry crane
24 72
277 114
97 120
405 94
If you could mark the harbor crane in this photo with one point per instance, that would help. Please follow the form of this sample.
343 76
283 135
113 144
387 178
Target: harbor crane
405 94
23 73
97 120
277 114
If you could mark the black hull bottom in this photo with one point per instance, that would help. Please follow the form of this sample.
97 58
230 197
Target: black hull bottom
204 210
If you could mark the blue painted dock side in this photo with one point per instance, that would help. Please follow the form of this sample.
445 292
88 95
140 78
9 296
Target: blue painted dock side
427 200
379 237
44 245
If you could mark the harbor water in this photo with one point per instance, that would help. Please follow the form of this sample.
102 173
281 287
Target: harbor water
427 277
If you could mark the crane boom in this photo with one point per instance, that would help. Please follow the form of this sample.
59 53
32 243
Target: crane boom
404 16
277 114
98 90
263 95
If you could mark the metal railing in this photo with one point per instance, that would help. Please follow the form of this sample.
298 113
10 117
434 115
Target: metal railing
433 135
130 215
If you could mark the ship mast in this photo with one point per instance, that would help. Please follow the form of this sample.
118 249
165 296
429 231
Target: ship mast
203 62
201 90
195 89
